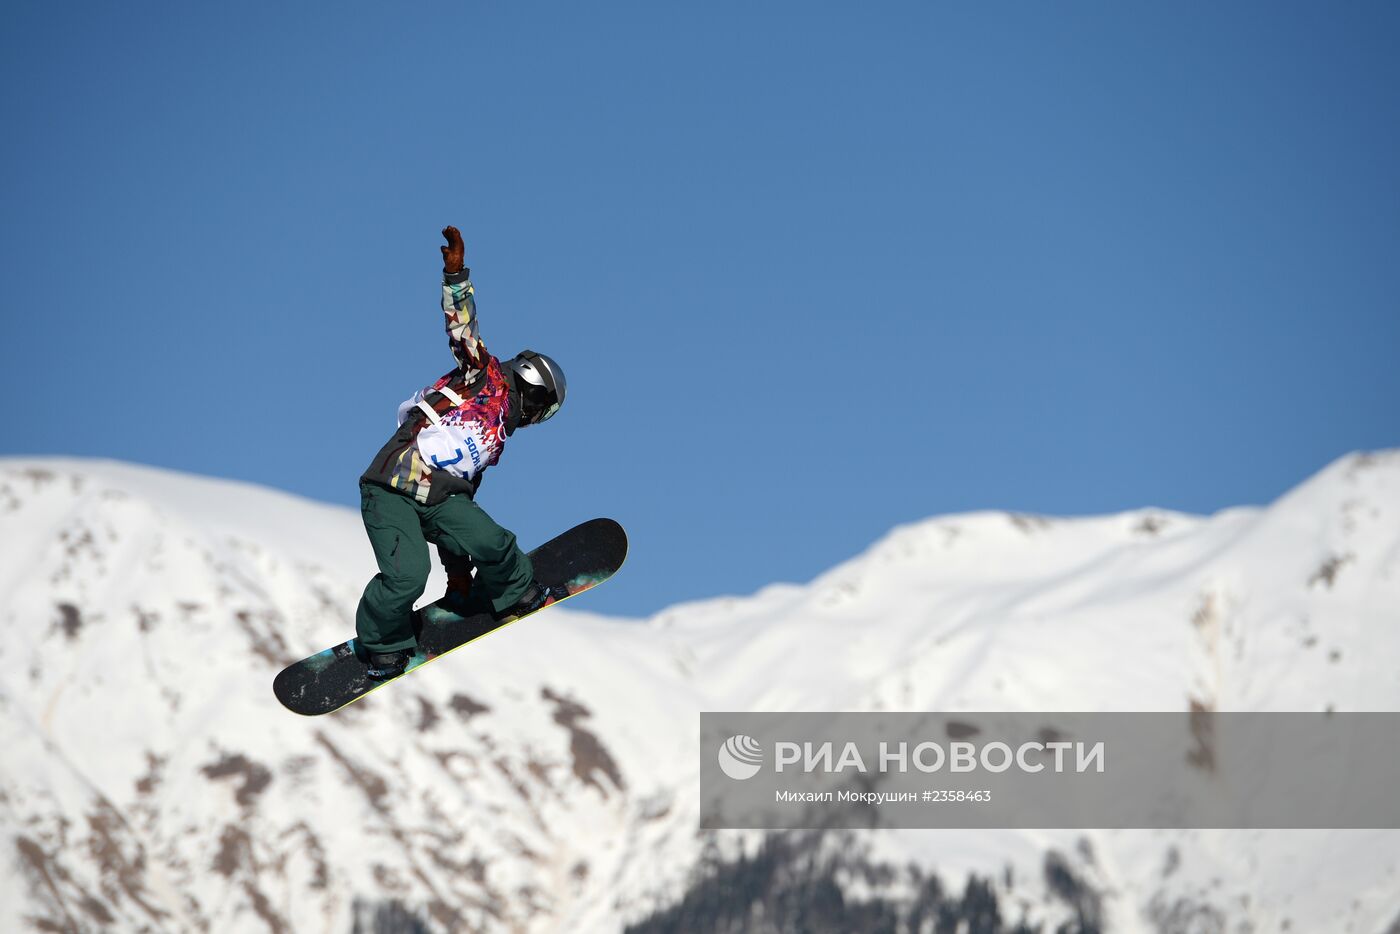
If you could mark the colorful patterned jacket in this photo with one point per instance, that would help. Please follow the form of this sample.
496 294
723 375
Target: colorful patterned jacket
451 431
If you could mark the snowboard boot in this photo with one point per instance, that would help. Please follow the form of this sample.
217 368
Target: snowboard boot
381 666
536 598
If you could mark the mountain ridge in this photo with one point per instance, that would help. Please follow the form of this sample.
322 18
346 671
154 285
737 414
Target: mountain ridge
545 782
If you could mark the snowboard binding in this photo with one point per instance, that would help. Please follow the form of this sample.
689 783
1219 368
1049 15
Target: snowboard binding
537 597
384 666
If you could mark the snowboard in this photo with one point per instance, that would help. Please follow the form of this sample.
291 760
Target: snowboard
577 560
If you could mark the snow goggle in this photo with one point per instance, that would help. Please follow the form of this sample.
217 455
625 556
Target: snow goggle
540 400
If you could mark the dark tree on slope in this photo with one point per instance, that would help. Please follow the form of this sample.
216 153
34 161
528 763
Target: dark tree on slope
386 918
792 884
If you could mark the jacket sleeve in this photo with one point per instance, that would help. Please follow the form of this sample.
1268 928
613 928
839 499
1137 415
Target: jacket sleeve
463 332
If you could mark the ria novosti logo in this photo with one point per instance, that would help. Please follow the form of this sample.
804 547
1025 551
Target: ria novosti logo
740 757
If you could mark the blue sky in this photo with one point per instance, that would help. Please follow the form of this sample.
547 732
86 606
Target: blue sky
814 270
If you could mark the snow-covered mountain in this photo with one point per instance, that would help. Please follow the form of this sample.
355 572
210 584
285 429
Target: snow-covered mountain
545 779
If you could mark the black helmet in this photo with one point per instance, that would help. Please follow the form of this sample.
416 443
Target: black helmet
541 384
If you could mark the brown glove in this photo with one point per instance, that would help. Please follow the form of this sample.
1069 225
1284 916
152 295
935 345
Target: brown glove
453 253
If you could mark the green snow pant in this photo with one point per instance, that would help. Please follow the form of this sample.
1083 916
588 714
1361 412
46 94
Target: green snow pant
400 529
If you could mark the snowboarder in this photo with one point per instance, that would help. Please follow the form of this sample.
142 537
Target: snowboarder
421 486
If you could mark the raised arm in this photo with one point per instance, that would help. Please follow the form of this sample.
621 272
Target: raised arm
459 304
